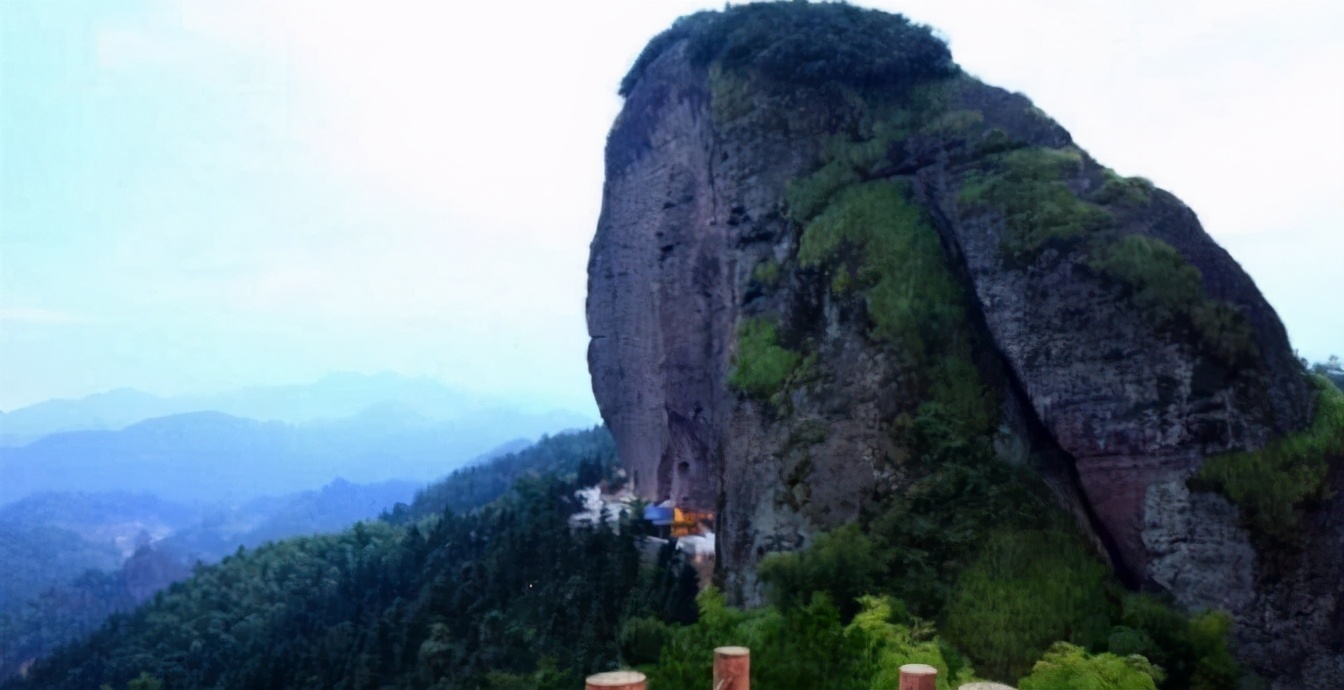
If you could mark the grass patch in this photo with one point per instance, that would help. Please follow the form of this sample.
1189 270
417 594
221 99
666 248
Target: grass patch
1028 589
807 196
731 94
1123 191
1170 293
955 122
762 365
913 300
1024 590
1027 185
1192 652
1224 331
931 532
766 273
880 245
1161 282
850 158
1272 485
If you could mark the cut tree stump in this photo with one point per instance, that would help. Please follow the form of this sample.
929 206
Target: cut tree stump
732 668
616 680
919 677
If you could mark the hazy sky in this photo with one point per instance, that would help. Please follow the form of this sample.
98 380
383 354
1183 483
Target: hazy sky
199 195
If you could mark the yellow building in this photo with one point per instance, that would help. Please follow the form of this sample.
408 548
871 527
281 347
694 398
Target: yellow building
688 522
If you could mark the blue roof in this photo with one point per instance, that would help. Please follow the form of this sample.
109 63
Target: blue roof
658 516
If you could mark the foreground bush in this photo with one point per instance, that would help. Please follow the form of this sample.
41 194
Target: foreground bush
1067 666
807 646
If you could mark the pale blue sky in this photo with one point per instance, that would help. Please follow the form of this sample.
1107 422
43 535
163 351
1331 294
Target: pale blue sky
199 195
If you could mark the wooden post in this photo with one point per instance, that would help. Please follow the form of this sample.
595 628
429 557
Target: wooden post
732 668
918 677
616 680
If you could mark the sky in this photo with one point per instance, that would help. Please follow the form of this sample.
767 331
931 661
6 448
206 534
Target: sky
200 195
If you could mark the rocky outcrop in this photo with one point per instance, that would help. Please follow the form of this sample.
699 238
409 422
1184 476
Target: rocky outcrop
1113 392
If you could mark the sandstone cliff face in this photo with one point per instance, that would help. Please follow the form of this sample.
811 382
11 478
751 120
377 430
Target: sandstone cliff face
1111 403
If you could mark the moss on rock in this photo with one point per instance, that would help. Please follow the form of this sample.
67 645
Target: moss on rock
1123 191
766 273
1028 186
1272 485
1169 291
762 365
913 301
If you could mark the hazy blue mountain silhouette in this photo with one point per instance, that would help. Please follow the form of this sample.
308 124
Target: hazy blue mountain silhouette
86 513
208 457
335 396
332 508
111 410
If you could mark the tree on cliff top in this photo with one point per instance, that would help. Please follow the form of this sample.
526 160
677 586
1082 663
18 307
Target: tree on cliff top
804 43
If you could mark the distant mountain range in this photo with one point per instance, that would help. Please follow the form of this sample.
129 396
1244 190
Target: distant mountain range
336 396
253 442
211 457
106 499
118 523
220 531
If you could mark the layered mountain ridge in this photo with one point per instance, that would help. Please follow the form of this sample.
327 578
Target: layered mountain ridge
329 400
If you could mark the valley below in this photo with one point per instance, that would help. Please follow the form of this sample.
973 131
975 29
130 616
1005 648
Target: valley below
96 521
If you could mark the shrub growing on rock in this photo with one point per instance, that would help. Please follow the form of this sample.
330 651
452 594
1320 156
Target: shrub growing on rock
806 44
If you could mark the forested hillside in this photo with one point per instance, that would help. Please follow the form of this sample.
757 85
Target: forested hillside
454 599
69 560
67 610
586 455
506 594
36 555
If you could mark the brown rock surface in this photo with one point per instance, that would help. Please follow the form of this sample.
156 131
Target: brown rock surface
694 201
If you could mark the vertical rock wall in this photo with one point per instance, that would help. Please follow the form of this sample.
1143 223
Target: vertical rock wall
694 203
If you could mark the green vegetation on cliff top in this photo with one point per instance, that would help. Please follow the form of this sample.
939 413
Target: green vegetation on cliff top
801 43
